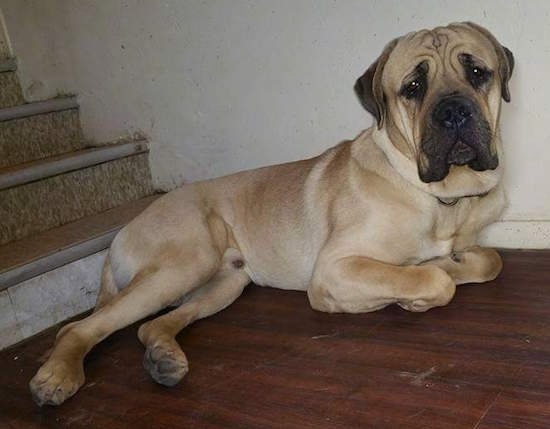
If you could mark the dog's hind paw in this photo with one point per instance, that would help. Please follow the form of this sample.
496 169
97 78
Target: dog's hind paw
55 382
167 365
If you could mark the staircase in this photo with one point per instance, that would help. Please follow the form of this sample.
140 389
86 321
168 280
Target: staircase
62 201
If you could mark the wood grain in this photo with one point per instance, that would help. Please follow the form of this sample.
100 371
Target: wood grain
269 361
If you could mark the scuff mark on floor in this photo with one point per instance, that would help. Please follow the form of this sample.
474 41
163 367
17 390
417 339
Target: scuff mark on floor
418 379
318 337
418 413
81 417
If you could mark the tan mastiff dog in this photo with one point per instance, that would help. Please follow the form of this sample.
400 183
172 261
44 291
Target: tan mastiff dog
388 218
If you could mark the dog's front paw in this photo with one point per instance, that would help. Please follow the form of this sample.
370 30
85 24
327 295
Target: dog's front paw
436 289
165 363
55 382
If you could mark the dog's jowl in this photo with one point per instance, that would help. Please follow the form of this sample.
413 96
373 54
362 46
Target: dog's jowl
391 217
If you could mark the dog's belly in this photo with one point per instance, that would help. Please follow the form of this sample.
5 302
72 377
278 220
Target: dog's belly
278 280
270 269
285 261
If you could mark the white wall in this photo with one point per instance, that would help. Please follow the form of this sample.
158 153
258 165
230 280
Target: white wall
226 85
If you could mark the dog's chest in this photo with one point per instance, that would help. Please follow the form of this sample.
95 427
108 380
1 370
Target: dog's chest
433 248
440 232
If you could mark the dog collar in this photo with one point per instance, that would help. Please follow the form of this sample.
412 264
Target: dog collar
452 201
448 201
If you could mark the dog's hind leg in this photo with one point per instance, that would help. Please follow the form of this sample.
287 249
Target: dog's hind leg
108 288
107 292
164 359
153 288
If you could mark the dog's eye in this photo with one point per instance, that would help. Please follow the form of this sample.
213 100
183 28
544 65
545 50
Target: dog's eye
416 83
414 89
475 74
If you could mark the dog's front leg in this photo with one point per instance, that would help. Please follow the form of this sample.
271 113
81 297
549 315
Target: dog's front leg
355 284
472 265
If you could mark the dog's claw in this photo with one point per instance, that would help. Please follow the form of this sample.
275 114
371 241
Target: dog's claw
55 382
167 366
417 306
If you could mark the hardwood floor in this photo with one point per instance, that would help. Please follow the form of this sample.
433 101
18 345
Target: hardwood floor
269 361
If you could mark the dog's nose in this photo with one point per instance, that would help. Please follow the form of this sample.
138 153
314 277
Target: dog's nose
453 112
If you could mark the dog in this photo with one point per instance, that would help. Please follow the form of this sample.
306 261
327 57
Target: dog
390 217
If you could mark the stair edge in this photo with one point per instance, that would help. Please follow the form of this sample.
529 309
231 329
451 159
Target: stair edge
57 259
48 167
8 65
38 108
75 247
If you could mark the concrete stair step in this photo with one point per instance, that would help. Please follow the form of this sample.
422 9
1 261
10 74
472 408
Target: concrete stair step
34 255
10 89
54 275
42 195
38 130
8 65
38 108
42 169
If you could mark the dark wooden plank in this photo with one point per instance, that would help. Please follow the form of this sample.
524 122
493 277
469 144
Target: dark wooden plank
518 408
269 361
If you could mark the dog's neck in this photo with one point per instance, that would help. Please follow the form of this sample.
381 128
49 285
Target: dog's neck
446 191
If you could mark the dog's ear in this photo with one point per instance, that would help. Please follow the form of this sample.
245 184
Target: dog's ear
510 69
505 59
369 86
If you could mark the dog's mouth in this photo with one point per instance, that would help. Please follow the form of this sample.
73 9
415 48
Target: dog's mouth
466 146
461 154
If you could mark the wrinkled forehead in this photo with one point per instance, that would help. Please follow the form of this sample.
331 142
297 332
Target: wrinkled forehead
438 47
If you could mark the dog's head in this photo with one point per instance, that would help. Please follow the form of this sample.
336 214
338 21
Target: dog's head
436 97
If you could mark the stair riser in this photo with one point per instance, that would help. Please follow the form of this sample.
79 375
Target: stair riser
51 202
10 90
40 136
43 301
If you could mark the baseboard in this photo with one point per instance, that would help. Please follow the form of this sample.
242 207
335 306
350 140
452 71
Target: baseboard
517 234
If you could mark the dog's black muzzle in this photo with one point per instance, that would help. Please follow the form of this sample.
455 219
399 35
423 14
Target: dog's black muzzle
458 134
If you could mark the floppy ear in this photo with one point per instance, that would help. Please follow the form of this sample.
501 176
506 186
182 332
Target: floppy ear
369 86
510 60
505 60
